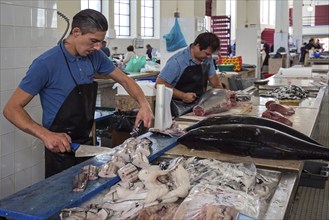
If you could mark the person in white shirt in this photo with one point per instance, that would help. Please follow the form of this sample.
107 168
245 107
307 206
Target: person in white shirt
130 53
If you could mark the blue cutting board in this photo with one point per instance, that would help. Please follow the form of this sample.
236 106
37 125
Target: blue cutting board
45 199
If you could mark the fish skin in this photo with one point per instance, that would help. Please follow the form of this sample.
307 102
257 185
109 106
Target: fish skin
242 119
252 140
213 101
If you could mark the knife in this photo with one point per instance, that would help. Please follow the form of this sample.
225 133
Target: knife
137 130
89 150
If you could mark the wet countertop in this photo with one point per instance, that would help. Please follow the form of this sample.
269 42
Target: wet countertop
103 83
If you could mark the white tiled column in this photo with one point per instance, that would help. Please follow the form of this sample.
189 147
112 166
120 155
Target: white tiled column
23 38
297 26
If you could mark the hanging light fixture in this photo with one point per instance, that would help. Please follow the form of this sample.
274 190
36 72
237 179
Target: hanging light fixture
310 7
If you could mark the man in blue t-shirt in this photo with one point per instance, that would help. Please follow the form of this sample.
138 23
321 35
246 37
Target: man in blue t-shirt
189 70
63 78
105 49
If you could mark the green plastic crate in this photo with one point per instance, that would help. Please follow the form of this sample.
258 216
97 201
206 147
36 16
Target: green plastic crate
225 67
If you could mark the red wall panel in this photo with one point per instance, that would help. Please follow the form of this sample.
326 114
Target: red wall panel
321 15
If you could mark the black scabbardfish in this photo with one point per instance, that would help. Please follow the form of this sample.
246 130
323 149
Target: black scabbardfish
252 120
252 140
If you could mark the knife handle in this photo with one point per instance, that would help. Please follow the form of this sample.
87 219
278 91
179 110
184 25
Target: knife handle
74 146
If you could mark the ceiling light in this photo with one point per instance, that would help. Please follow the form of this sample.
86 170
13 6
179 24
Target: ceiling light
310 8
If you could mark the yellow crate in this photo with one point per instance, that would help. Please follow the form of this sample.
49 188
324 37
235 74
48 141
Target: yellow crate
289 102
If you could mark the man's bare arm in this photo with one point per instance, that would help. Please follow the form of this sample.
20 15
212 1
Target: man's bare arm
14 111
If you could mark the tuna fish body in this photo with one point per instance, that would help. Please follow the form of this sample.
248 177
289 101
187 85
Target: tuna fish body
252 140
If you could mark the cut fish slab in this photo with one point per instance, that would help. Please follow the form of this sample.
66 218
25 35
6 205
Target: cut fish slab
89 150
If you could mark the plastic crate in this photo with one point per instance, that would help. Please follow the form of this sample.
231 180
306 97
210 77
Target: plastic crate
315 174
225 67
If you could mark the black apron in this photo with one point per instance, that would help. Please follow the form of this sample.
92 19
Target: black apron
76 118
194 79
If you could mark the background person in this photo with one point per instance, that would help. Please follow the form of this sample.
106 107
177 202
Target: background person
266 50
308 49
63 77
105 49
130 53
150 51
189 70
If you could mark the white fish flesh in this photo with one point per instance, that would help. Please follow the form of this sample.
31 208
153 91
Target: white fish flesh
118 161
124 153
91 171
107 170
128 173
140 160
80 182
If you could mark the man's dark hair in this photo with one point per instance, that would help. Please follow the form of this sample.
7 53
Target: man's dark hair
130 48
89 21
206 40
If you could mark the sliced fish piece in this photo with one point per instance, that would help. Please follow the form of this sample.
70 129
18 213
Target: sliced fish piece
282 109
91 171
144 149
276 116
125 154
118 161
108 170
80 182
128 173
140 160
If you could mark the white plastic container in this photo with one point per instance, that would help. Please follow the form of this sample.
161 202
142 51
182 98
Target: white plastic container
147 86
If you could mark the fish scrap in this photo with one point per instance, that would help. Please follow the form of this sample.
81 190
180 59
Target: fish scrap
224 190
292 92
80 182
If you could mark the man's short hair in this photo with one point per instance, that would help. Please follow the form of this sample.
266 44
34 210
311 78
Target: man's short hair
90 21
206 40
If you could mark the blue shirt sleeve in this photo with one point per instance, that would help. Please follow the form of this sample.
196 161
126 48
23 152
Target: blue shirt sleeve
171 72
103 64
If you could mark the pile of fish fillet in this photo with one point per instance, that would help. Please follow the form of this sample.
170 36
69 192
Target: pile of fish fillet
182 188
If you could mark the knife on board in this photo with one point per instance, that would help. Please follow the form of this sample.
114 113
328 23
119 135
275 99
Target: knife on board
89 150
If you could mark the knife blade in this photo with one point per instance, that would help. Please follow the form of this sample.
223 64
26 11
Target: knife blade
137 130
89 150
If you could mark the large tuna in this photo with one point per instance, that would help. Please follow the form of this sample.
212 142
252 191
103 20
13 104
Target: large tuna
213 101
252 120
252 140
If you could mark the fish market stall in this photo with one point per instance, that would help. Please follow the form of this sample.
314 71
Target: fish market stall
303 120
127 185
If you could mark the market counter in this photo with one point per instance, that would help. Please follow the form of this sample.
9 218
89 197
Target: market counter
107 93
45 199
304 120
29 203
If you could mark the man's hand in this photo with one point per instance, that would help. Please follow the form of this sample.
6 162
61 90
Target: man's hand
145 114
57 142
189 97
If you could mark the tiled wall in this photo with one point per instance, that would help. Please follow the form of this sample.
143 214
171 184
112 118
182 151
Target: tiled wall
27 29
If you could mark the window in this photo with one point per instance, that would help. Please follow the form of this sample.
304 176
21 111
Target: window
267 12
92 4
122 17
264 11
147 18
